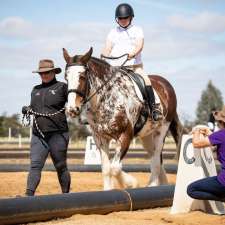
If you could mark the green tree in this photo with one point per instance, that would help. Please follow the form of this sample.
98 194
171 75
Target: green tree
14 123
211 99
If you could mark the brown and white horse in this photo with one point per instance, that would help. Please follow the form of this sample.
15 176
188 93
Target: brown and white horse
114 108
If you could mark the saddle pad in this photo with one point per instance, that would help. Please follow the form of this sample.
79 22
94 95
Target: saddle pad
140 96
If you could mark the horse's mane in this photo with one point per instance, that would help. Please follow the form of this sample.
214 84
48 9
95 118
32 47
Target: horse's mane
99 67
100 61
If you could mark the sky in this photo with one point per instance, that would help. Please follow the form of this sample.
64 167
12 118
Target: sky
184 42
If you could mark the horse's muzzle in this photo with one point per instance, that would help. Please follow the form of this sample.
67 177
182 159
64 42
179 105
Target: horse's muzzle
73 112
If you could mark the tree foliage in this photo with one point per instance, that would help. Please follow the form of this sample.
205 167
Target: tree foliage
211 99
12 122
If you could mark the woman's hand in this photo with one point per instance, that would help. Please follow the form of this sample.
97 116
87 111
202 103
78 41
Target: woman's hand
200 137
201 130
205 131
130 56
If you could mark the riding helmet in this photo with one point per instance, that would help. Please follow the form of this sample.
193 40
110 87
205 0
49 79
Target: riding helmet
124 10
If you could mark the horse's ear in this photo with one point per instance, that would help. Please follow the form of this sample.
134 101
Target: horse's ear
66 55
84 59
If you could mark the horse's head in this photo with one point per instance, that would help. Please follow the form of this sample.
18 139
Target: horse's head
77 79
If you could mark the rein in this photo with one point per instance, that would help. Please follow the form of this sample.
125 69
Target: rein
106 57
118 57
31 112
97 90
87 99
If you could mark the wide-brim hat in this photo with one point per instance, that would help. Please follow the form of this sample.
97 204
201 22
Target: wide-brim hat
46 65
220 115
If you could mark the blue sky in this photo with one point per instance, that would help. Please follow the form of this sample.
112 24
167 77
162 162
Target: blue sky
184 42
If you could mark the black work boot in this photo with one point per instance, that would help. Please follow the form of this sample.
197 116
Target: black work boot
154 108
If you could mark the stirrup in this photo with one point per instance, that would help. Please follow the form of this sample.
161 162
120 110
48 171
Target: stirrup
156 113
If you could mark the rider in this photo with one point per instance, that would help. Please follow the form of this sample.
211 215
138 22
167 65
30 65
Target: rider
128 38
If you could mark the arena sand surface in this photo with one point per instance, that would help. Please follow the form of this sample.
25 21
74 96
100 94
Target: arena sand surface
13 184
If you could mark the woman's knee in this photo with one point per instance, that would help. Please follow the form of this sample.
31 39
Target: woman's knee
190 189
36 165
61 166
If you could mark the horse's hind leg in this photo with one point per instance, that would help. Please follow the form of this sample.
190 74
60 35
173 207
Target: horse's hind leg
158 174
154 144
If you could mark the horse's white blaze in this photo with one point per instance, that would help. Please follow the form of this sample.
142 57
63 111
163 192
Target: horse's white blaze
73 75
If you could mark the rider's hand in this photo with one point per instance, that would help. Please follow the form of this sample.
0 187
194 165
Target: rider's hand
130 56
25 109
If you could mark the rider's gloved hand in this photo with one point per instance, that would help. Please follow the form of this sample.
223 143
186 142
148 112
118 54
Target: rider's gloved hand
25 109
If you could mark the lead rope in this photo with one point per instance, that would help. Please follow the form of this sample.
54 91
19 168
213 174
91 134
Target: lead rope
26 117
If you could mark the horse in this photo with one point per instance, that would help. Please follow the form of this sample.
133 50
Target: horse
113 109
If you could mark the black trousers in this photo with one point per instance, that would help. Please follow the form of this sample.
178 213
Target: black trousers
56 144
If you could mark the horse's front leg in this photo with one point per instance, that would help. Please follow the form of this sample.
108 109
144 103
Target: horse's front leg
104 151
124 180
107 183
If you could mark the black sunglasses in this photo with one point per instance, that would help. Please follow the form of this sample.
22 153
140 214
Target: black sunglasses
47 72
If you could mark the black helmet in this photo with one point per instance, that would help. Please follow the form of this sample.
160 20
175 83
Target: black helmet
124 10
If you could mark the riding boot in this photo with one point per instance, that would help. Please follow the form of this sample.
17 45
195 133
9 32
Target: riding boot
154 108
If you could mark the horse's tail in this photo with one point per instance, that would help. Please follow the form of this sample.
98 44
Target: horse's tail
177 130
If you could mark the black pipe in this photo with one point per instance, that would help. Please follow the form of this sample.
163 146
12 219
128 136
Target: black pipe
170 168
41 208
80 155
13 149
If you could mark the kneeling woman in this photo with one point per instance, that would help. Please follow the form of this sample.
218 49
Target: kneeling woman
211 188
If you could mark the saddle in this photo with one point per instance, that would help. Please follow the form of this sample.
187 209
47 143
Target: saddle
139 81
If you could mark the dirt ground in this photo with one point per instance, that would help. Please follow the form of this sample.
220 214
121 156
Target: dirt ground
13 184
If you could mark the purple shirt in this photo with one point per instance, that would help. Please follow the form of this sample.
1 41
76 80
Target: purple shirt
218 138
